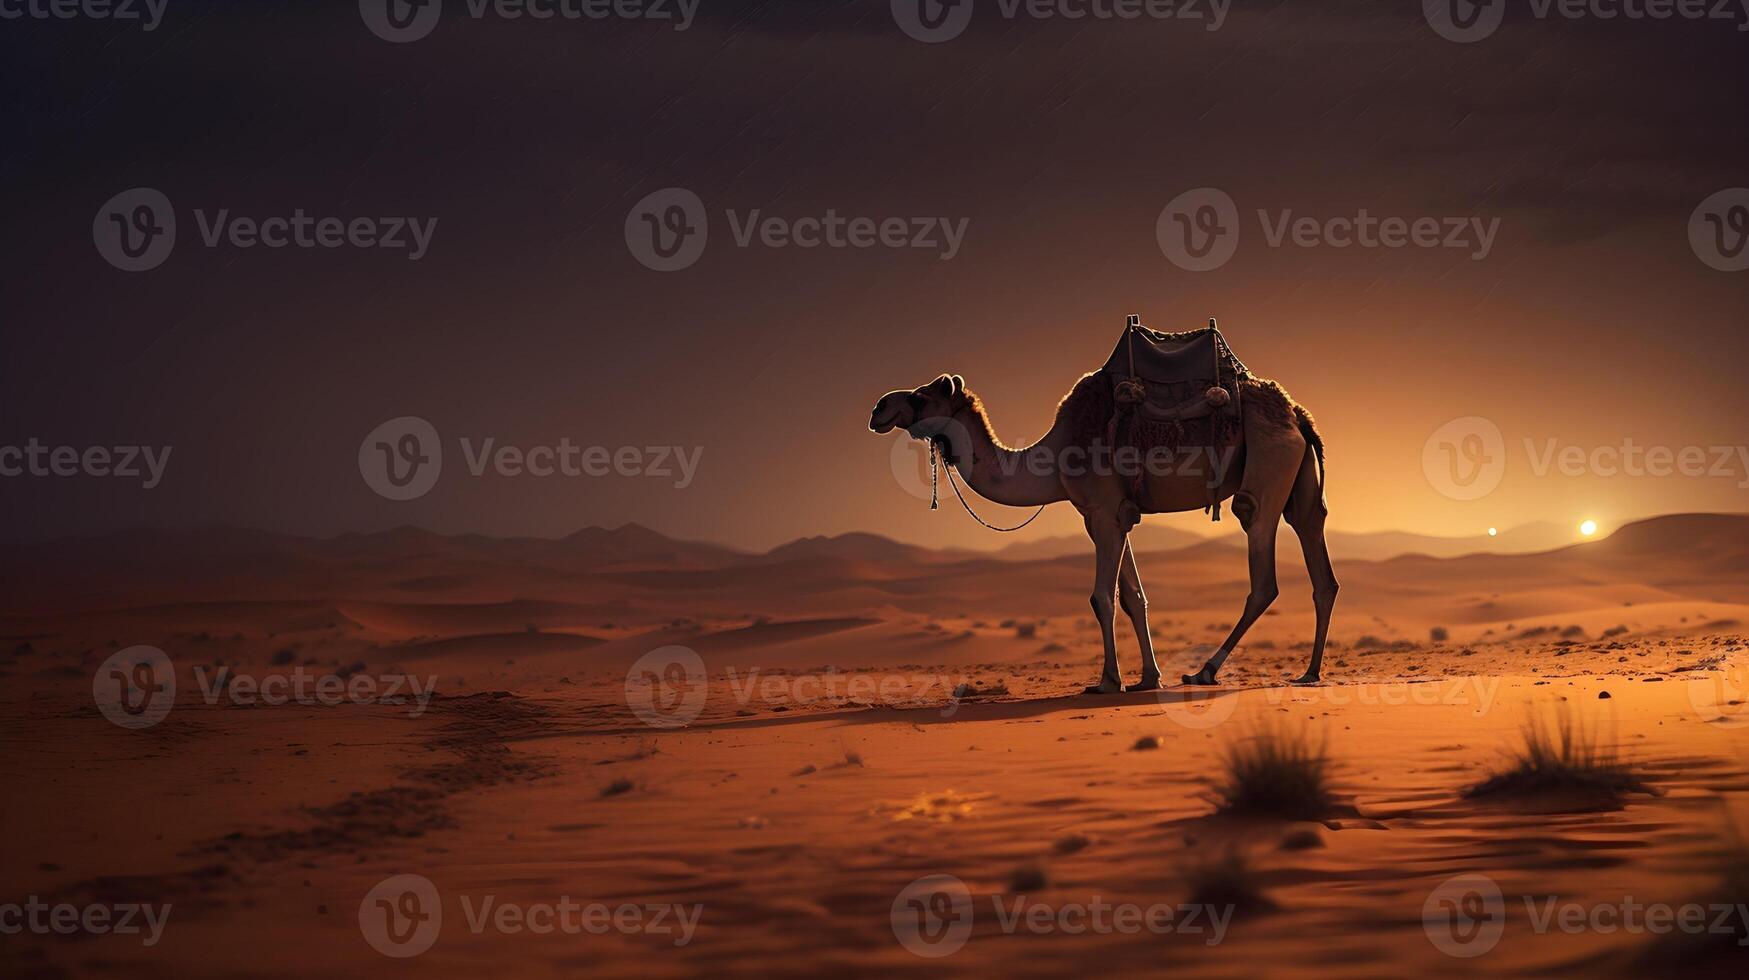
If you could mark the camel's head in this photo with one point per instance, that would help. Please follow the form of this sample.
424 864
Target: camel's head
923 412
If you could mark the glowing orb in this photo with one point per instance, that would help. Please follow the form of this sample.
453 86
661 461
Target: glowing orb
1588 528
1493 532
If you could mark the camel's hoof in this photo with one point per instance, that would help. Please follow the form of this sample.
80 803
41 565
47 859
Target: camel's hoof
1146 684
1105 687
1306 679
1202 678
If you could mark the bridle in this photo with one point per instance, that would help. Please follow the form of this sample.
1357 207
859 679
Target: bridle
933 462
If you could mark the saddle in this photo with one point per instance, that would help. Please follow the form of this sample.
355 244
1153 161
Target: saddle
1175 377
1173 391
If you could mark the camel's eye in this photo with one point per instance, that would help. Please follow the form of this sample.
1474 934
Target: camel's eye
915 401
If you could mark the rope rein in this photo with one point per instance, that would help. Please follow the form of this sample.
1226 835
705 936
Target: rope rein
956 492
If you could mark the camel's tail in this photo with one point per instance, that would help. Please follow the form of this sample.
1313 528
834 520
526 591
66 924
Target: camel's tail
1309 429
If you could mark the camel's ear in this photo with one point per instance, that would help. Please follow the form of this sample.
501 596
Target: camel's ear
944 386
959 385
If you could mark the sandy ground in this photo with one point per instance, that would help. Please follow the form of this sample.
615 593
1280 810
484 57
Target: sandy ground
768 807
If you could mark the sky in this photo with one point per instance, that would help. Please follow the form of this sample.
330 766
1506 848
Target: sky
503 289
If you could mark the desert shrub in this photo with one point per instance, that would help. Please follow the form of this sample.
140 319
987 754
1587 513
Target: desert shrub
1714 950
1226 881
1440 634
1561 754
1275 772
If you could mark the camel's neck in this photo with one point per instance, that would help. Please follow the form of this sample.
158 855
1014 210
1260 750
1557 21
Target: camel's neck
1016 477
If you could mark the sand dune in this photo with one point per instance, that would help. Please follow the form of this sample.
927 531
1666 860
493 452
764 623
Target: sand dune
868 716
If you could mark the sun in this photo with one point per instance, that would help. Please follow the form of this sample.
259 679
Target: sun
1493 532
1588 528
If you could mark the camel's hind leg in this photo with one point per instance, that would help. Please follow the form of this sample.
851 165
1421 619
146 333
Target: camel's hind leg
1271 468
1135 604
1305 512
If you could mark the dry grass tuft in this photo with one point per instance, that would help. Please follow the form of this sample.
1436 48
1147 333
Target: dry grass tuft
1562 756
1275 772
1226 882
1713 951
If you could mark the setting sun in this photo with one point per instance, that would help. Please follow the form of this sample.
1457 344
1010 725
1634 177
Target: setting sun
1588 528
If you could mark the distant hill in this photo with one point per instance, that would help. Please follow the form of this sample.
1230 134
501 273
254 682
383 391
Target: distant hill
1366 546
1379 545
1146 537
219 563
857 546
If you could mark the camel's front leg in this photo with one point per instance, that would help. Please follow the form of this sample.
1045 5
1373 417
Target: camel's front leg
1108 549
1135 603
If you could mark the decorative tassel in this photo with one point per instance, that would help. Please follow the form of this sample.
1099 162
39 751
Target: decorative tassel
933 503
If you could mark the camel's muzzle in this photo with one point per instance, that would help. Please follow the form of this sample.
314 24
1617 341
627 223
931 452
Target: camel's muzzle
885 416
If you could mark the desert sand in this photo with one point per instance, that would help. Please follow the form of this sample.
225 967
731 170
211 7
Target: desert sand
869 714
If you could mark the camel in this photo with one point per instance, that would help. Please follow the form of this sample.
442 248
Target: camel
1277 472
